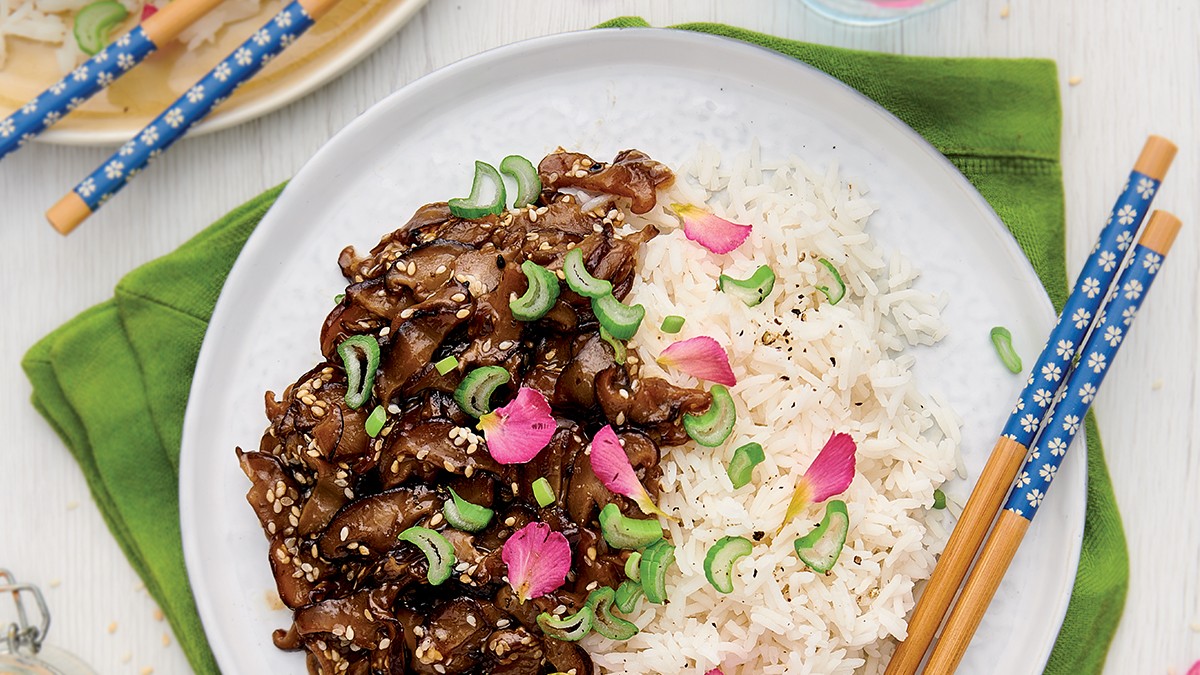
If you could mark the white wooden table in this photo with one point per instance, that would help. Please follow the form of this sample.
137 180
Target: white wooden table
1136 69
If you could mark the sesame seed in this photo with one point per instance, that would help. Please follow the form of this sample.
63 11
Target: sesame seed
349 632
503 623
146 671
510 521
591 553
472 620
385 331
385 643
592 586
166 640
406 313
462 313
624 393
505 345
436 519
621 418
1074 80
112 627
412 268
458 297
344 533
469 471
533 217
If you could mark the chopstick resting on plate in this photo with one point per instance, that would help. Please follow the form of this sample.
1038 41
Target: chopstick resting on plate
118 58
242 64
1045 379
1065 422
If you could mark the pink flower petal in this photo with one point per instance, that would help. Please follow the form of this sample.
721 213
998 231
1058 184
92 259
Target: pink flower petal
829 474
715 671
1195 669
701 357
517 432
611 465
148 11
712 232
538 560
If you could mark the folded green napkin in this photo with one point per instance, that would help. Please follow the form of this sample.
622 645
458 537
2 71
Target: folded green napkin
113 381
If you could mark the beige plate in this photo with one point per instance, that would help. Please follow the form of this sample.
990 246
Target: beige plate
348 33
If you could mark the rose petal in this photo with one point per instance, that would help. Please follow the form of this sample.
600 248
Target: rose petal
712 232
517 432
538 560
611 465
701 357
1195 669
829 474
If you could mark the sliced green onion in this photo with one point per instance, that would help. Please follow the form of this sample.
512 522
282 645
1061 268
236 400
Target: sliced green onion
446 365
578 278
94 22
753 289
820 548
656 560
620 320
474 393
714 426
741 466
718 564
1002 341
839 290
543 493
375 421
631 566
464 515
939 499
438 550
529 183
541 295
672 324
603 621
627 596
337 299
568 628
621 531
360 358
617 346
477 205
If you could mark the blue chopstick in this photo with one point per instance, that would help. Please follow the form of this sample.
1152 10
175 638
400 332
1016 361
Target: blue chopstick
118 58
1084 380
1041 388
242 64
1082 306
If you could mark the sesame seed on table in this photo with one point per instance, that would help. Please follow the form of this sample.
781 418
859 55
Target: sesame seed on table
1125 71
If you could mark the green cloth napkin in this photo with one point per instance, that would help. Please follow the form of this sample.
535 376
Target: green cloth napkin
113 381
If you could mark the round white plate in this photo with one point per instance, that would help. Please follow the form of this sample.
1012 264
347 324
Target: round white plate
659 91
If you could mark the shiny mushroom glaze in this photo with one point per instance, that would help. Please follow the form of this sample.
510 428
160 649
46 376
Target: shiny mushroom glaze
332 499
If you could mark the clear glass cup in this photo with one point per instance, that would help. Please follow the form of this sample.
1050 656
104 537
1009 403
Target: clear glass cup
871 12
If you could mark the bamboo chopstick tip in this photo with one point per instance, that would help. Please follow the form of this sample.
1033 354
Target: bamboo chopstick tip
1157 155
1160 231
68 213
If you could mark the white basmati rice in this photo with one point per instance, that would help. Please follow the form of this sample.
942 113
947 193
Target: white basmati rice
821 368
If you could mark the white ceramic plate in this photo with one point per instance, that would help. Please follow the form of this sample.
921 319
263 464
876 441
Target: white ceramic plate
601 91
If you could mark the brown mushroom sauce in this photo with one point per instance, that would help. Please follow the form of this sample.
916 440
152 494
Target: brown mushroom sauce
332 500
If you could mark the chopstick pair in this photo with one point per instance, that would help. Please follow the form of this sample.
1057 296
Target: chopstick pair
1045 419
98 72
118 58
